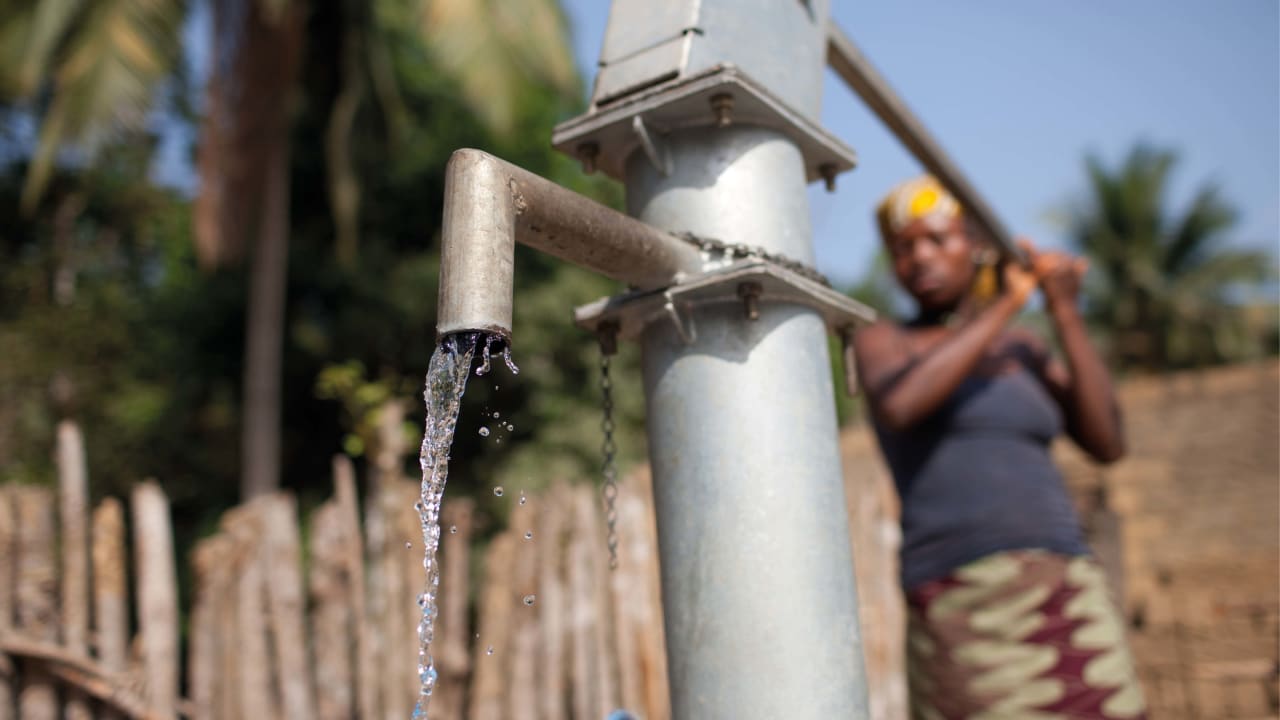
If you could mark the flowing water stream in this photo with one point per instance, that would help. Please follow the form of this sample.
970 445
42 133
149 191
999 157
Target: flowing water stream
446 381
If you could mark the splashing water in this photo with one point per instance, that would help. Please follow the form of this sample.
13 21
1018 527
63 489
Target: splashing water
446 381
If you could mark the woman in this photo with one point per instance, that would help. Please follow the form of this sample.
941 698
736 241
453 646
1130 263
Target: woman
1009 616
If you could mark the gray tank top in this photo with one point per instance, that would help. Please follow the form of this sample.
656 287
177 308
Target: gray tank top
976 478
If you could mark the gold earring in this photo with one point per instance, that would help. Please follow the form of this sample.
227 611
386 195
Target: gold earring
986 281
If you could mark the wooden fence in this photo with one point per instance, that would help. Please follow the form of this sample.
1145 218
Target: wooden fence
90 618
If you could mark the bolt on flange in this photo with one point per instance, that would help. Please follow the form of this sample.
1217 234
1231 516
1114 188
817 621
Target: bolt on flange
750 294
722 106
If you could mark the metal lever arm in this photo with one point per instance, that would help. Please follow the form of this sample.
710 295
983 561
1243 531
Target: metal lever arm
861 76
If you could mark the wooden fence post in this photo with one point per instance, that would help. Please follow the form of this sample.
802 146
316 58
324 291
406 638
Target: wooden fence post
110 591
211 638
37 596
331 603
73 508
253 664
552 602
493 649
452 631
8 584
365 676
286 600
157 597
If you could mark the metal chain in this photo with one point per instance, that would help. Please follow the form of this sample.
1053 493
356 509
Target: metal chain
609 450
740 250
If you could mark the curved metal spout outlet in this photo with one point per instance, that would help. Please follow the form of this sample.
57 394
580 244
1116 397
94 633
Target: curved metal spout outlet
490 205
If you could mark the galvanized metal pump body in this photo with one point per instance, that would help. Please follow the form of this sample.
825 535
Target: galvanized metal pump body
757 576
707 111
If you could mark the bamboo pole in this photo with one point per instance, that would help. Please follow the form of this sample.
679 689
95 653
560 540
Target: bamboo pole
37 596
210 560
626 587
644 551
375 631
8 583
286 603
396 699
552 604
407 550
110 590
253 663
73 506
115 690
331 603
582 613
493 649
365 675
522 690
157 596
452 631
605 665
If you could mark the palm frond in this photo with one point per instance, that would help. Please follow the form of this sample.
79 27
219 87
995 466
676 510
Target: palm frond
494 47
1206 218
107 69
49 27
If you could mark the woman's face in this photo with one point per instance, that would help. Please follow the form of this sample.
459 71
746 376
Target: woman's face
933 261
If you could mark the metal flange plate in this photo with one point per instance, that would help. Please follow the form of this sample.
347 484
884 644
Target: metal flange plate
632 312
686 102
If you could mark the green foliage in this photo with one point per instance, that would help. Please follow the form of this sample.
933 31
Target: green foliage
1161 283
147 351
98 62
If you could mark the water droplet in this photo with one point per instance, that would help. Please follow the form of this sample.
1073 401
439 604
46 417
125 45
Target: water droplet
497 415
484 432
528 535
422 600
488 650
523 499
484 366
506 358
498 440
498 491
453 529
510 427
408 546
428 676
529 600
495 388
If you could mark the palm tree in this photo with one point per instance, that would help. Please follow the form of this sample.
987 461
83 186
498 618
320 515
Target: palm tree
1162 281
100 63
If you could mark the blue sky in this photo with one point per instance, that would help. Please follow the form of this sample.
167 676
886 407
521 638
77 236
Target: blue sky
1018 92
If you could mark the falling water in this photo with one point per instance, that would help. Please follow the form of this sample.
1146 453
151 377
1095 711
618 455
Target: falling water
446 381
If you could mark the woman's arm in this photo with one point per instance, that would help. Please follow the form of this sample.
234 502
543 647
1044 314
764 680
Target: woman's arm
903 389
1083 388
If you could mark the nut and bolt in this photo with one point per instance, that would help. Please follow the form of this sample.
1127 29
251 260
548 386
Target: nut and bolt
828 173
750 294
722 106
587 153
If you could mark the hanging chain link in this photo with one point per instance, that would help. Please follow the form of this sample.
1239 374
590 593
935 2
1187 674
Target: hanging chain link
740 250
609 448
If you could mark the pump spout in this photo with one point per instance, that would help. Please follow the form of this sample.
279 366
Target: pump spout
491 204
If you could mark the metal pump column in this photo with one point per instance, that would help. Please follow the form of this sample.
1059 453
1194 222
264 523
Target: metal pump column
757 574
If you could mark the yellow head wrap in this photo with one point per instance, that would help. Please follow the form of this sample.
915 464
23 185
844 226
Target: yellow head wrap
922 197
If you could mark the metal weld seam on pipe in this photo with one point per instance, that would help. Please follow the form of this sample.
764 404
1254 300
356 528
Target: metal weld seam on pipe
491 204
861 76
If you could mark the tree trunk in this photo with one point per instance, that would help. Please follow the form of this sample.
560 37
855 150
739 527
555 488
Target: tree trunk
264 333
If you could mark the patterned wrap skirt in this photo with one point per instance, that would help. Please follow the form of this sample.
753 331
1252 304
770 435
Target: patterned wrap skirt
1026 634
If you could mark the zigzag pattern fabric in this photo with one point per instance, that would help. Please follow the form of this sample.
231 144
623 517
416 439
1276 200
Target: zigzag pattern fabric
1026 634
